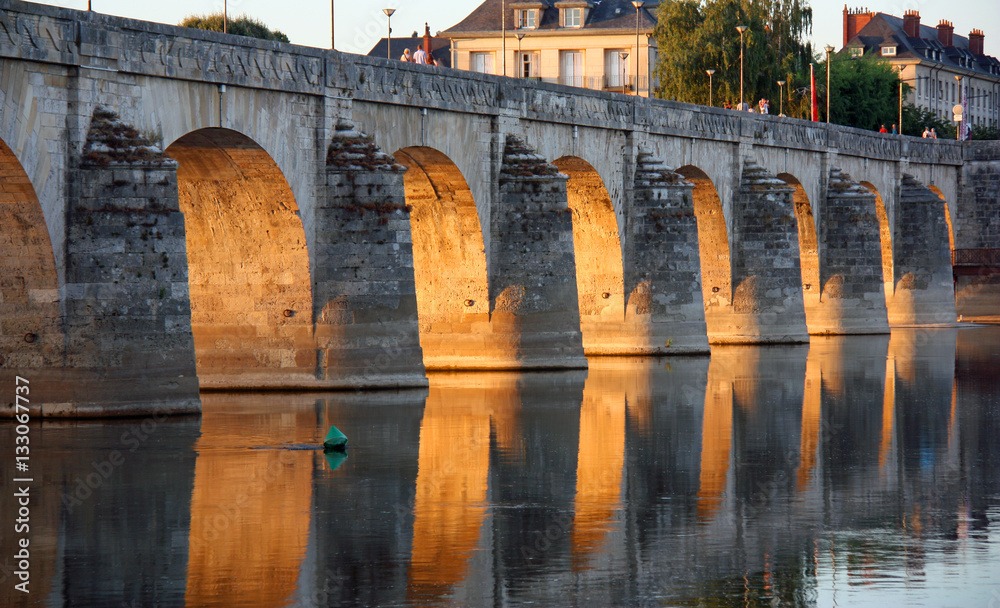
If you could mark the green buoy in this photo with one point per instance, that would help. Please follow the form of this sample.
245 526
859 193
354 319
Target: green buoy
335 440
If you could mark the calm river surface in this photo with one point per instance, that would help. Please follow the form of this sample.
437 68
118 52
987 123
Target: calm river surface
857 471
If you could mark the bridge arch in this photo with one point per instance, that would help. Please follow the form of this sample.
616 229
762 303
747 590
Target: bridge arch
30 334
713 248
808 246
248 265
885 236
947 217
449 259
597 251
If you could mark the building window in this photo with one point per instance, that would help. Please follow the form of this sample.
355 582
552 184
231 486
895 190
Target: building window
615 68
857 51
572 17
526 19
529 65
888 51
481 62
571 68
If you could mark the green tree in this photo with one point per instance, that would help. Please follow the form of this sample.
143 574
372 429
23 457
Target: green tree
864 91
697 35
984 132
241 26
916 119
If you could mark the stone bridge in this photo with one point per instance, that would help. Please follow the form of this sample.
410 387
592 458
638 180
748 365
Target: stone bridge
185 209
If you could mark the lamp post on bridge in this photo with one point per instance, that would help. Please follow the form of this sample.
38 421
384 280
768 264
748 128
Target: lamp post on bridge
638 5
829 49
624 56
519 66
388 41
741 29
781 97
710 72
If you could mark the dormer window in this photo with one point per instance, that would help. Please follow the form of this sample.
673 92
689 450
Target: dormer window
572 17
888 51
527 18
857 51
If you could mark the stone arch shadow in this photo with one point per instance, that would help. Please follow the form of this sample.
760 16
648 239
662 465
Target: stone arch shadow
31 334
597 251
714 249
809 256
449 262
885 237
249 276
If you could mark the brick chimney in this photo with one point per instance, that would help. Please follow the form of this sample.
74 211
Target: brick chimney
427 40
854 21
911 23
976 42
945 32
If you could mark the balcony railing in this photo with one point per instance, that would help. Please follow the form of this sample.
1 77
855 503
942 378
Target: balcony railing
976 257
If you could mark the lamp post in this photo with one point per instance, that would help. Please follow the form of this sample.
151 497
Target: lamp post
710 72
624 56
829 49
225 16
503 27
388 46
333 39
520 60
741 29
781 97
959 106
638 5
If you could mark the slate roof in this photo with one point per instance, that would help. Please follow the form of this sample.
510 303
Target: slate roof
604 15
888 29
440 48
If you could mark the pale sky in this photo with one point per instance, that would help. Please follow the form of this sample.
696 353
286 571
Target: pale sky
360 23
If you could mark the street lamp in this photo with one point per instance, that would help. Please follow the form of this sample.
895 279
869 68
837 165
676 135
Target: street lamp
624 56
829 49
520 60
388 46
710 72
503 26
638 5
225 16
781 97
333 39
741 29
959 106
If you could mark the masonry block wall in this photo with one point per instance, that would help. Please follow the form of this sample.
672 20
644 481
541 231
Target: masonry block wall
665 311
364 299
767 278
127 310
924 287
534 309
852 298
977 227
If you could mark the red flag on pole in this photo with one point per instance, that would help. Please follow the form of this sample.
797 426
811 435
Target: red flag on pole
812 88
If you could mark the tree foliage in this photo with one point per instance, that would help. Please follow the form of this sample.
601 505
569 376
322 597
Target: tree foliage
864 92
697 35
916 119
241 26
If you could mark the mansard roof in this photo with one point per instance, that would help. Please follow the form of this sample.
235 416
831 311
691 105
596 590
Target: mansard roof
887 30
603 15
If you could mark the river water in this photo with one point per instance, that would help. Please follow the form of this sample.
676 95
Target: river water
855 471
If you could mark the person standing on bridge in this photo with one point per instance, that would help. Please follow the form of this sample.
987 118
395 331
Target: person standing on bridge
420 57
406 56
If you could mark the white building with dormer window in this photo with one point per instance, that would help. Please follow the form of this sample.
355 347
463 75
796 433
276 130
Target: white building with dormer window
583 43
929 60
